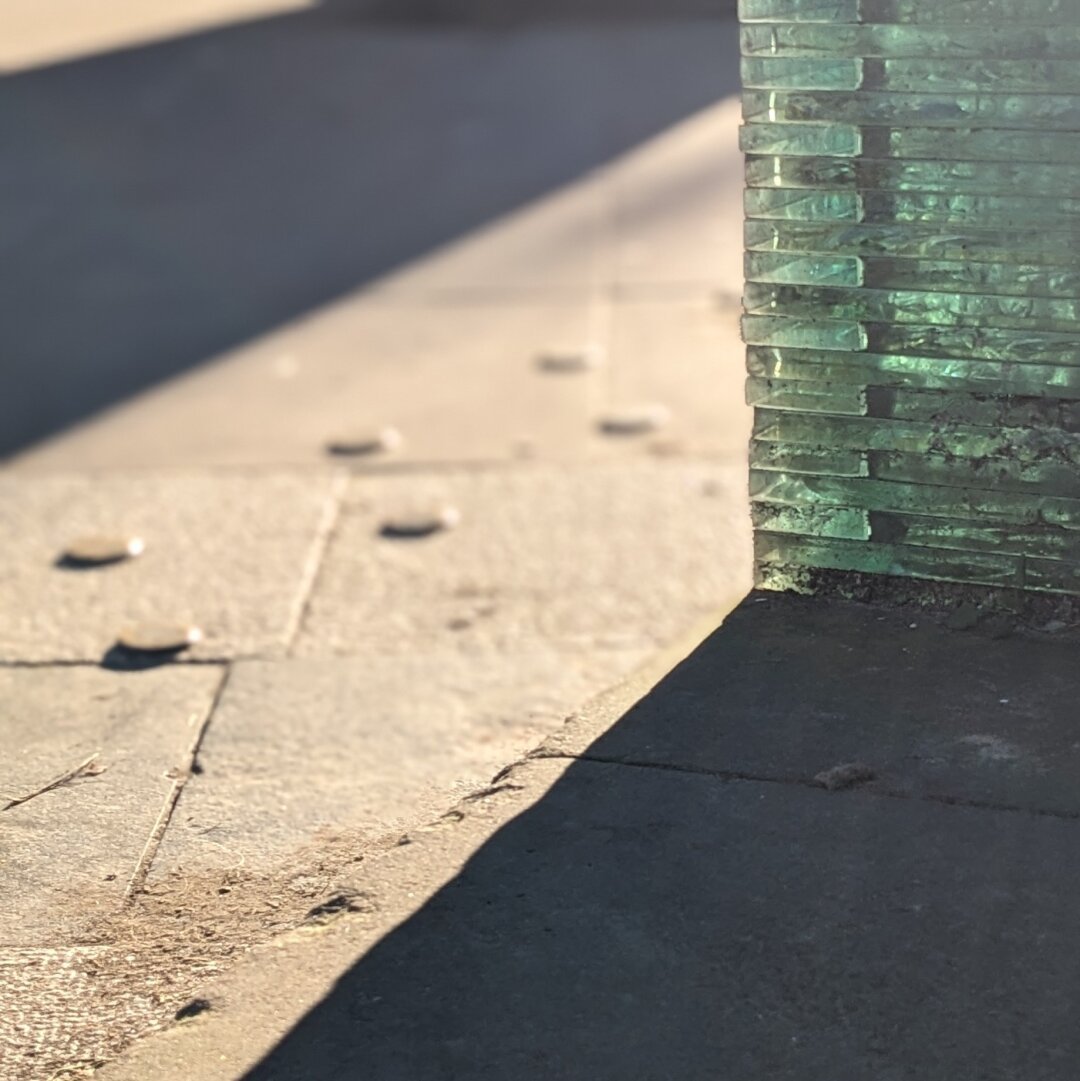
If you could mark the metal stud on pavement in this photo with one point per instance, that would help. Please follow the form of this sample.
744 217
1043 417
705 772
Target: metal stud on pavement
99 549
365 442
570 360
422 522
635 419
151 637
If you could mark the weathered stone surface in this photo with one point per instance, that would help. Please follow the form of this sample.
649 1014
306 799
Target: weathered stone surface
225 553
676 207
69 853
371 746
791 687
686 354
580 166
622 556
457 380
613 922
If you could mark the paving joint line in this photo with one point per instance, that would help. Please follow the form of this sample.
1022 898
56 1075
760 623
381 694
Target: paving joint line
67 662
802 782
333 508
380 469
139 875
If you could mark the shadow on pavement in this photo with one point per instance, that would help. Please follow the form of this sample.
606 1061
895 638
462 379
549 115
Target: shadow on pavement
166 202
710 913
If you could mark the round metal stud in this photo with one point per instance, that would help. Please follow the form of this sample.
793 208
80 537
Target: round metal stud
635 420
409 525
359 444
159 637
569 361
99 549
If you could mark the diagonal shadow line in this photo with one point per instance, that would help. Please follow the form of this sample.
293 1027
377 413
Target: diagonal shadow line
647 924
166 202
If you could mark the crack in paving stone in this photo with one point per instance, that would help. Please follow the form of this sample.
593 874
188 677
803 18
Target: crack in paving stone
88 768
183 774
542 754
309 577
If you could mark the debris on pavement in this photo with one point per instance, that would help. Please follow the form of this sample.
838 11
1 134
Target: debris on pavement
844 776
87 768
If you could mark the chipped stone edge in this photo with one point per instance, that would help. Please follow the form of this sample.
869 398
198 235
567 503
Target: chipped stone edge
254 1004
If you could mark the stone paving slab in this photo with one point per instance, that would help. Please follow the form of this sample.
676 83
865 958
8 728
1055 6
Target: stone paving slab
687 356
555 243
676 205
300 750
459 382
611 922
790 686
608 557
228 553
70 853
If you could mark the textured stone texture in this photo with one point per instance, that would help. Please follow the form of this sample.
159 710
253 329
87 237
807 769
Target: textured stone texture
613 922
69 853
675 208
616 557
680 354
160 272
458 383
226 553
790 687
299 750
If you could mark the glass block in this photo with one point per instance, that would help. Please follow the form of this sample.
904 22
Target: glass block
806 397
935 275
902 306
905 370
836 140
1053 181
845 522
965 74
802 205
984 40
824 461
944 109
918 12
948 502
834 73
916 437
912 296
809 333
995 212
999 474
979 568
906 240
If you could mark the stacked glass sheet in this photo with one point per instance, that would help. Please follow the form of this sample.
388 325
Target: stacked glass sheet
913 289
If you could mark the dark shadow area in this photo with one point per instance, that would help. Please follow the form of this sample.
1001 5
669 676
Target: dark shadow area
502 12
709 913
166 202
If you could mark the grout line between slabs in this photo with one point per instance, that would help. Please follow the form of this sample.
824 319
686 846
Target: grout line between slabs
802 782
315 468
331 515
157 834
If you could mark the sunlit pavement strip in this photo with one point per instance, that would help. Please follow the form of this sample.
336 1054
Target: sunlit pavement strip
384 620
